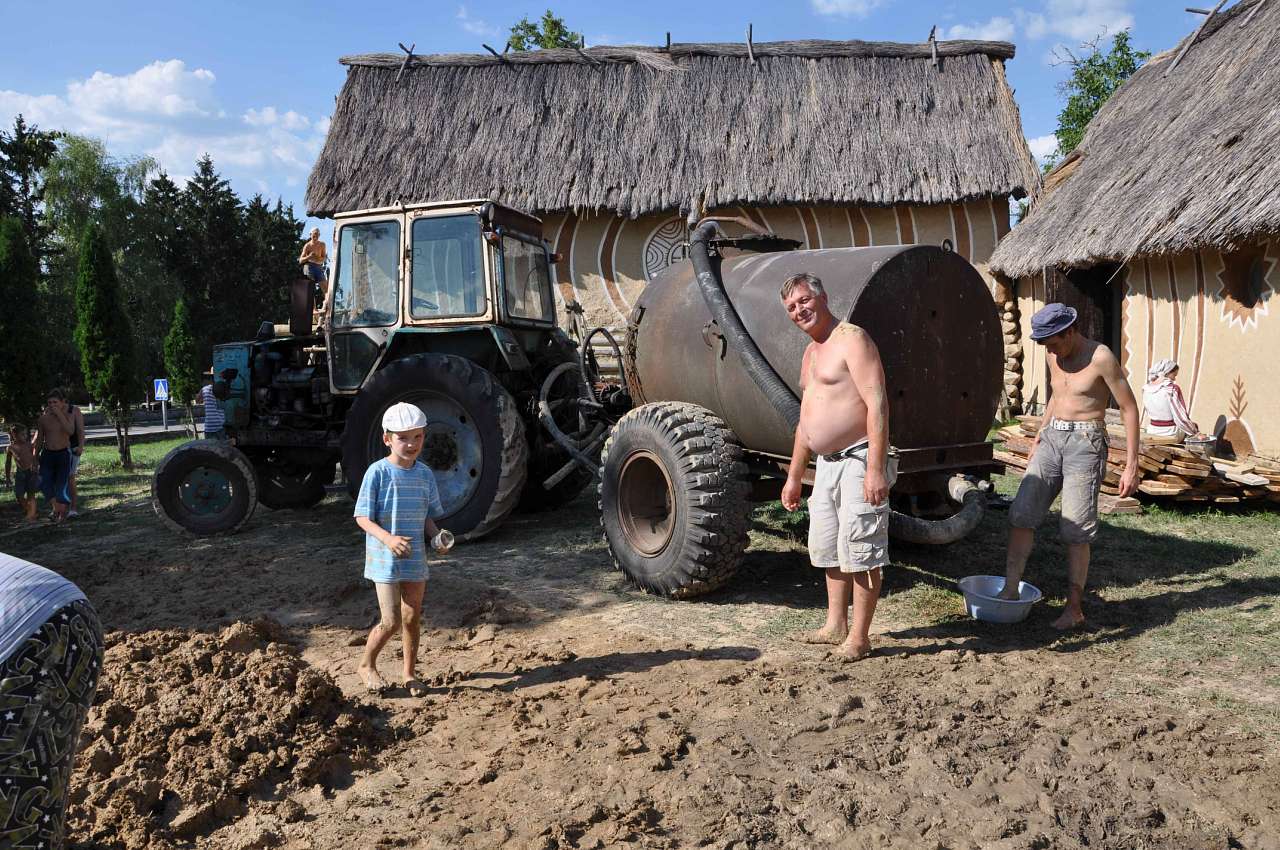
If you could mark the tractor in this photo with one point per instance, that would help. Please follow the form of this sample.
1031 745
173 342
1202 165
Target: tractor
448 306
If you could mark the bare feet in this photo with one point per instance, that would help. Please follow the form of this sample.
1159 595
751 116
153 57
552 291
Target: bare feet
1010 593
1071 617
416 687
850 651
373 681
825 635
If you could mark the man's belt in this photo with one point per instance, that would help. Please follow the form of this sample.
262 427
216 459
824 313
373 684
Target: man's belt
1163 423
851 451
1070 425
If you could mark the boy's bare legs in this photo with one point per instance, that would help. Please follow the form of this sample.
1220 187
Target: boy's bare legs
389 605
1020 542
1077 574
866 593
411 626
836 628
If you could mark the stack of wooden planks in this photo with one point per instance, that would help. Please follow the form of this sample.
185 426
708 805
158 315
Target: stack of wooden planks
1169 471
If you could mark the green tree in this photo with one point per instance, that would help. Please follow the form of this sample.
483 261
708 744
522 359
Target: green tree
23 382
24 155
213 237
1095 76
182 359
547 33
104 336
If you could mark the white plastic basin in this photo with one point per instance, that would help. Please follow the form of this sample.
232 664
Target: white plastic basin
980 598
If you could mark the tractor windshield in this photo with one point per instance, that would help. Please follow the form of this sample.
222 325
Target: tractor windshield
526 280
367 289
448 268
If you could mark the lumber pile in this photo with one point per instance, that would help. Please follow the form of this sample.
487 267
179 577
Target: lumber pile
1168 470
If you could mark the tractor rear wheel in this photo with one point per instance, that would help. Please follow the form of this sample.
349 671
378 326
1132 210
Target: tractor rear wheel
475 442
674 499
204 487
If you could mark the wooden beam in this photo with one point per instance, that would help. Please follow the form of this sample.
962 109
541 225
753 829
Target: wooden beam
933 44
1252 12
751 56
500 57
408 55
1194 36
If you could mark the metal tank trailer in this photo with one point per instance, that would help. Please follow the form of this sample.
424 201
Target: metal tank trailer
712 363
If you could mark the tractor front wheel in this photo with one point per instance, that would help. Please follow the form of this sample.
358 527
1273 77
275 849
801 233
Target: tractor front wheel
204 487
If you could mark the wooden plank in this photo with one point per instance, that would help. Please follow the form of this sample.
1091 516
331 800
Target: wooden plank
1152 488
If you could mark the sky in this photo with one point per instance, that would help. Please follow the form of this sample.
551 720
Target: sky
253 83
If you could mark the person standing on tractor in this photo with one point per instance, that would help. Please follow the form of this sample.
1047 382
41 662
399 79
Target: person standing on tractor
396 507
1069 454
844 419
313 257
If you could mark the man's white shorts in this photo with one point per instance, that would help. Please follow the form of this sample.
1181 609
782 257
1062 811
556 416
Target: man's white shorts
844 530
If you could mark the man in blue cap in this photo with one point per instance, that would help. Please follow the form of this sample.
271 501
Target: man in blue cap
1069 454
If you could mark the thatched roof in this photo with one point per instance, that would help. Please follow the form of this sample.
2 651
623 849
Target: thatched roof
1170 164
637 130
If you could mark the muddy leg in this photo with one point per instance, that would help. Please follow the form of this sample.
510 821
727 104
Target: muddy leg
388 625
1020 543
411 628
1077 574
866 593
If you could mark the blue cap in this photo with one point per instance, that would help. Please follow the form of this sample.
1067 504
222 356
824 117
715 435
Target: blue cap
1052 319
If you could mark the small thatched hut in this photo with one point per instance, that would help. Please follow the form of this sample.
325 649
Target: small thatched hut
1163 228
828 142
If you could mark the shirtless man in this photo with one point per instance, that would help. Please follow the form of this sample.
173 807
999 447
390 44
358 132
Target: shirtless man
844 419
1070 452
55 428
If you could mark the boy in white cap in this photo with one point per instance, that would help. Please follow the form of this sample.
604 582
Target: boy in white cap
398 499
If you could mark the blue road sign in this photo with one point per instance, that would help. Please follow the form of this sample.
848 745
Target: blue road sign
162 389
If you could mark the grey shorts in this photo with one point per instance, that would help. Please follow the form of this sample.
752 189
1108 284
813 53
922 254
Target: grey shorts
1073 463
844 530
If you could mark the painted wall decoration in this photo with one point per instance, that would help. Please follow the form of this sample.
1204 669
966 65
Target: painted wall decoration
666 245
1208 311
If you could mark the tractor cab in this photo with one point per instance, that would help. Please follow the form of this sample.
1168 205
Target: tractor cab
407 270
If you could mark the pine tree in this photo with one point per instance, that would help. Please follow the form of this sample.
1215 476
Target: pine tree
182 359
212 224
24 155
23 381
104 336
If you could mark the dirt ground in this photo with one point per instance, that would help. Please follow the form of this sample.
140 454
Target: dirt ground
567 710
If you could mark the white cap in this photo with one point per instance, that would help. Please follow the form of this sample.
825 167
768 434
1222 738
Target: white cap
403 416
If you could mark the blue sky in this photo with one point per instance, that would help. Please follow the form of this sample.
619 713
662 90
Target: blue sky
253 84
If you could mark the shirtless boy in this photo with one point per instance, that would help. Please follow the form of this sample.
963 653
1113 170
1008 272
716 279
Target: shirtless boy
844 419
55 429
26 482
1070 452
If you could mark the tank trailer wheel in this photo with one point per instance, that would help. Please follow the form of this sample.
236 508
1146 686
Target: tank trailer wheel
204 487
475 442
674 499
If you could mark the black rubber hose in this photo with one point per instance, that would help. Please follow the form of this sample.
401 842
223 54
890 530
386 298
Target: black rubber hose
548 421
941 532
586 352
712 288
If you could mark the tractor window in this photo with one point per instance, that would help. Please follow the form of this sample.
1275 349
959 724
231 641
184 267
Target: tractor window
526 280
368 279
448 268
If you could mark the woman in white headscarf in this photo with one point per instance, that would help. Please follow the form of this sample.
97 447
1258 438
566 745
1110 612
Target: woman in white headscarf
1163 403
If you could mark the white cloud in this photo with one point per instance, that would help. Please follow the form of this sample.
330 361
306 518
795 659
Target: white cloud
844 8
1043 146
172 113
997 29
475 26
1078 20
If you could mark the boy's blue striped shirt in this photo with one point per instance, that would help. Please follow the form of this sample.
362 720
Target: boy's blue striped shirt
399 500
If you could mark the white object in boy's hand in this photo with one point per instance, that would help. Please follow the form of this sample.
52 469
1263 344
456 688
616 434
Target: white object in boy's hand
442 542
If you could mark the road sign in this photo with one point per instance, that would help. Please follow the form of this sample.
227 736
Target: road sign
162 389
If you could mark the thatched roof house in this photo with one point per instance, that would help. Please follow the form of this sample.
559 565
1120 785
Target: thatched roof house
1164 224
828 142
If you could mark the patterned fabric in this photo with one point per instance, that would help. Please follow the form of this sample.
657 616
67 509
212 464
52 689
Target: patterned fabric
399 500
214 418
29 594
46 688
1163 402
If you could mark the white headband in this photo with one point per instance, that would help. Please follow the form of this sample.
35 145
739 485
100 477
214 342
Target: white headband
1159 370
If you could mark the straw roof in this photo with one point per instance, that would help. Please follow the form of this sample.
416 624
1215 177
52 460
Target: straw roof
636 130
1170 164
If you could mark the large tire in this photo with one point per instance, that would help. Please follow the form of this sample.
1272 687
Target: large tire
283 486
475 438
204 487
674 499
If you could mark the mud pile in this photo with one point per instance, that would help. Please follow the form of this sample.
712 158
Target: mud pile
188 729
